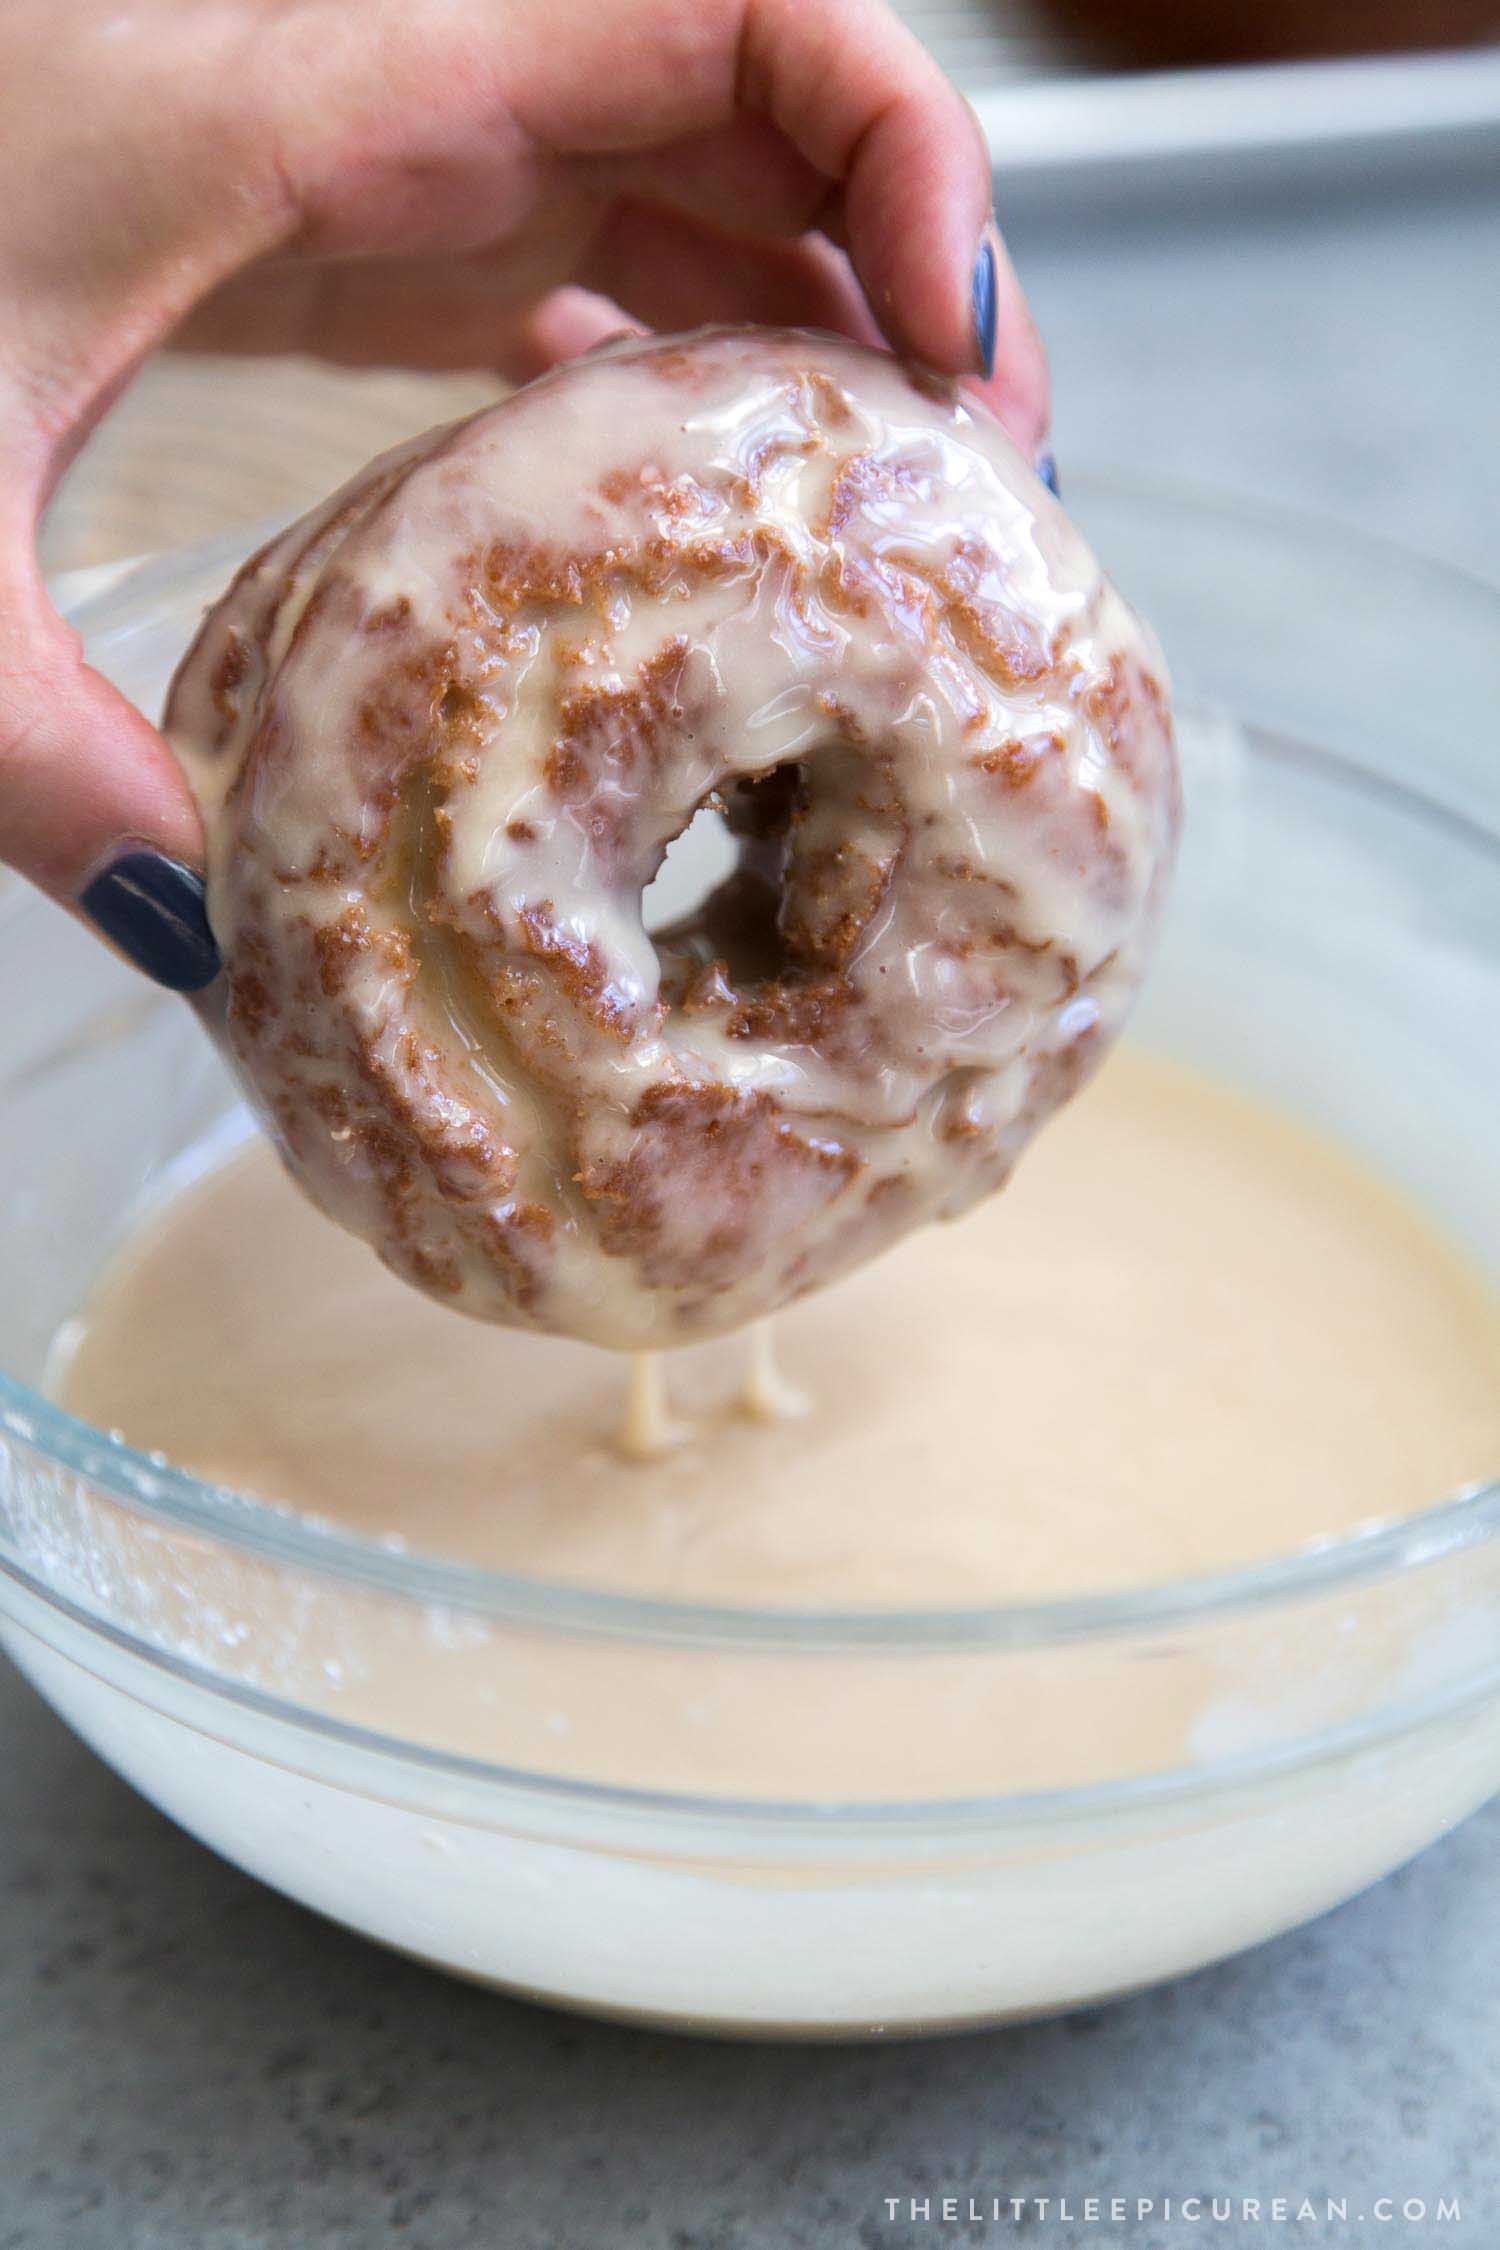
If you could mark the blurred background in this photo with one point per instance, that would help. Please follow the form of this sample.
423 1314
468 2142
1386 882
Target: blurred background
1261 237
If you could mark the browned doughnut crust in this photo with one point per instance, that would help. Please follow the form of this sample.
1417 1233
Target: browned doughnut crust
444 730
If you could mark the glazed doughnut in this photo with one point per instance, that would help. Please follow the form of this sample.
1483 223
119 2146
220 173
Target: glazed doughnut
445 728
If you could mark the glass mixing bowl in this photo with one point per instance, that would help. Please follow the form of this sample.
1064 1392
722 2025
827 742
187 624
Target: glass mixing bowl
577 1795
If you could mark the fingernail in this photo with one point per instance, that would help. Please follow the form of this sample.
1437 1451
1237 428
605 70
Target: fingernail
152 908
983 297
1046 469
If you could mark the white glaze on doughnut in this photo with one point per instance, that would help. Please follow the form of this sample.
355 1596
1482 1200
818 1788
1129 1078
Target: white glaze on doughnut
444 729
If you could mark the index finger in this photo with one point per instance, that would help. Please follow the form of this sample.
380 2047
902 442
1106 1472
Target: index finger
859 98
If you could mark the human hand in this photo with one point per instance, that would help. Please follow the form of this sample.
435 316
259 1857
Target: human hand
435 184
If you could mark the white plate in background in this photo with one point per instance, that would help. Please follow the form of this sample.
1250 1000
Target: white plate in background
1050 114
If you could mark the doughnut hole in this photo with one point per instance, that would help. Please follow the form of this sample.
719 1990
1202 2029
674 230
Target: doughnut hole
772 886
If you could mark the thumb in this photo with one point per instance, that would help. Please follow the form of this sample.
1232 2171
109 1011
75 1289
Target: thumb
93 807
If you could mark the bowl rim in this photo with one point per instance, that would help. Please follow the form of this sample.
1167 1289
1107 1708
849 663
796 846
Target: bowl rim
927 1820
278 1534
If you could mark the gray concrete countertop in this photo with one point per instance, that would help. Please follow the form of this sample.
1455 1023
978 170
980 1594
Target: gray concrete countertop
1338 353
189 2063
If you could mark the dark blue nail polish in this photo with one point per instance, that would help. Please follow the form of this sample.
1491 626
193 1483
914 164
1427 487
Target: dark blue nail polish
1046 469
984 299
152 908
